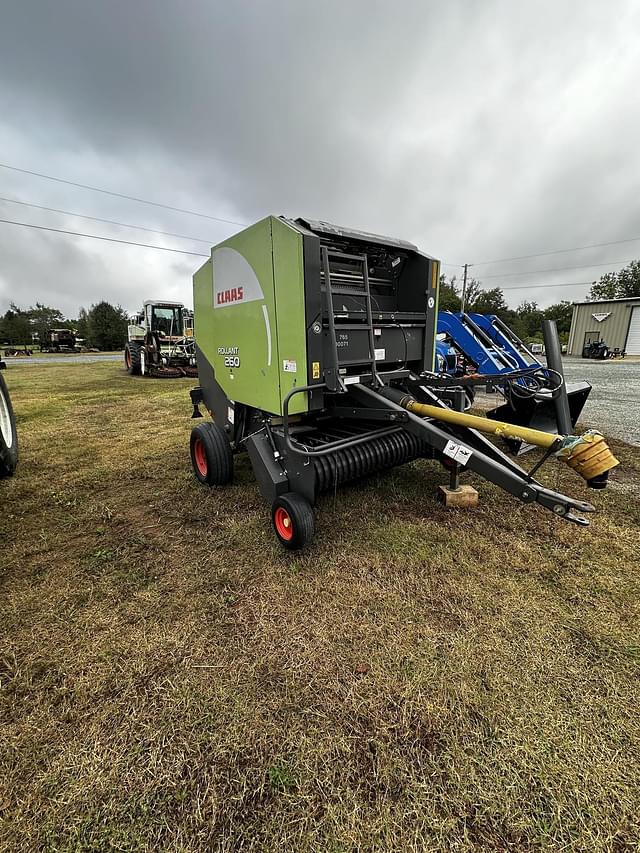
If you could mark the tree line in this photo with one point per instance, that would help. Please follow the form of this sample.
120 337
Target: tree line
103 326
618 285
525 320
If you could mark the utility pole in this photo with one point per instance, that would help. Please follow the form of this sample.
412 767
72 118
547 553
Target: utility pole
464 288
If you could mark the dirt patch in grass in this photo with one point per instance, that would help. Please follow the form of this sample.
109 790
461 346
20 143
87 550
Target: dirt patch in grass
421 679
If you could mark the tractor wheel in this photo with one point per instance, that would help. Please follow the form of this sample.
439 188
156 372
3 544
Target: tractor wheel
132 358
8 434
293 520
211 454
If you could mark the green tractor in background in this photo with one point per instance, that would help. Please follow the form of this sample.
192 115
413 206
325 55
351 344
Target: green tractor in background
160 341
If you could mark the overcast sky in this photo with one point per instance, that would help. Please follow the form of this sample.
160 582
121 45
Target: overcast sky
477 130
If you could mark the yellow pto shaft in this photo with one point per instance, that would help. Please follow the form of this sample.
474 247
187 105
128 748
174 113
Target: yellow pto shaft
531 436
587 454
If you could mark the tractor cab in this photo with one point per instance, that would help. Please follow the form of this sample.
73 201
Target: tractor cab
165 319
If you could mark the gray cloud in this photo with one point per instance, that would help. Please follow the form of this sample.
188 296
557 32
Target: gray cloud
479 131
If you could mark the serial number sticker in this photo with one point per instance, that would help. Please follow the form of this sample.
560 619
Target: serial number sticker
457 452
289 366
380 354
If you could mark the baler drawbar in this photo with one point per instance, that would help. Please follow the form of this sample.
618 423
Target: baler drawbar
588 454
316 353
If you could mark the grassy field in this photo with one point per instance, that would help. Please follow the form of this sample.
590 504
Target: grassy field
421 680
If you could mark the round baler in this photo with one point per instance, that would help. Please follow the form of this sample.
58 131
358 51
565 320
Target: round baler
316 355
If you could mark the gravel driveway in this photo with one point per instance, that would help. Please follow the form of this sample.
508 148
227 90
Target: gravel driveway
86 358
613 406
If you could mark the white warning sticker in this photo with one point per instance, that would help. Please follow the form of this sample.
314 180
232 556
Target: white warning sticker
289 366
457 452
380 354
230 414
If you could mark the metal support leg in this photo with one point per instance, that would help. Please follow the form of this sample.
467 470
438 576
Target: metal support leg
457 404
554 362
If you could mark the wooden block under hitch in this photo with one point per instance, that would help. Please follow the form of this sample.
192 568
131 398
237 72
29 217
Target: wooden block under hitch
463 496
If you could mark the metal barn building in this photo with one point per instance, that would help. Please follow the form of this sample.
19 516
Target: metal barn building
614 321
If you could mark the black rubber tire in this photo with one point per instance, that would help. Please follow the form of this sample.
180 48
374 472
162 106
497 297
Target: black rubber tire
165 373
152 349
132 358
300 513
470 396
211 454
8 433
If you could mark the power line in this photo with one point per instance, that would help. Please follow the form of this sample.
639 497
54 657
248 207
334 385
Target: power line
201 255
536 286
133 198
106 239
237 222
558 269
557 251
108 221
121 195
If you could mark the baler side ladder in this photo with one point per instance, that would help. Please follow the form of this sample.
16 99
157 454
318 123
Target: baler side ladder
332 373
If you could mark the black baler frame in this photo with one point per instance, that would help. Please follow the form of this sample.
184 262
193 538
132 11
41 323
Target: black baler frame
361 401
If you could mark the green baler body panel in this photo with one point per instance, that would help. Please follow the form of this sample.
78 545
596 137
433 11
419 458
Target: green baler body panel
250 316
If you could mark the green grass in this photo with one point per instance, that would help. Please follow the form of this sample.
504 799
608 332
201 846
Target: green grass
421 679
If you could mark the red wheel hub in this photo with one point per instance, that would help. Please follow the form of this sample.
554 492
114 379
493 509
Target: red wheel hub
283 523
127 358
200 457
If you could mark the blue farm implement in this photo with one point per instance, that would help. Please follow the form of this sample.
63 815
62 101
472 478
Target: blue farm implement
480 349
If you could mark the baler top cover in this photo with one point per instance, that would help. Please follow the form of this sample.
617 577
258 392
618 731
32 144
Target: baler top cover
326 229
